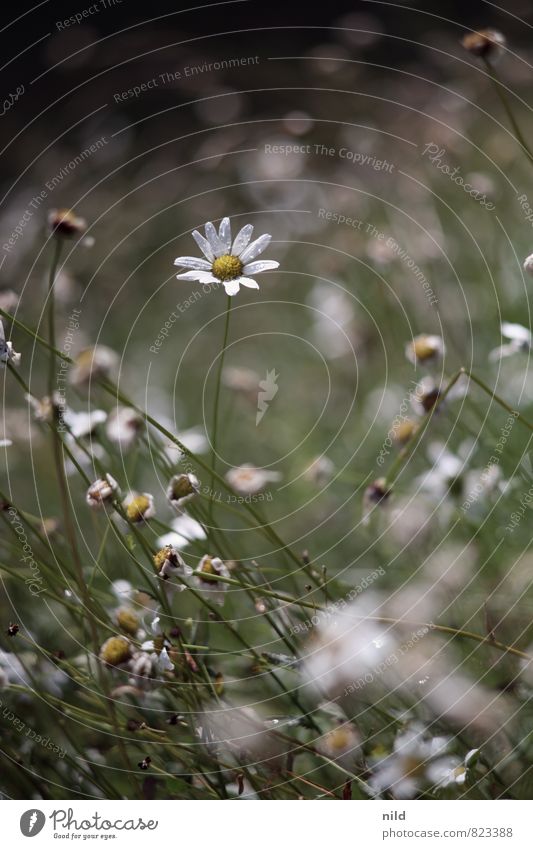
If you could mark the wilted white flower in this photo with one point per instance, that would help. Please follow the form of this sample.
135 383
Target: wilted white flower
488 44
377 493
248 479
65 222
7 354
227 263
185 530
123 426
182 488
95 363
417 760
169 563
115 651
341 744
206 575
101 490
127 620
424 349
139 506
427 393
521 340
159 647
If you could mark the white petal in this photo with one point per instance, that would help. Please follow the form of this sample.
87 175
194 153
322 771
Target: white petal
248 282
257 247
193 262
204 245
200 276
241 239
212 236
260 265
224 234
232 286
164 663
516 331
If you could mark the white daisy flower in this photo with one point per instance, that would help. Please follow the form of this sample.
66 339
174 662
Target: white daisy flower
227 263
7 354
248 479
416 760
521 341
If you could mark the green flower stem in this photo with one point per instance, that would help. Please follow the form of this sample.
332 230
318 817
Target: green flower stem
263 526
445 629
214 432
66 506
500 91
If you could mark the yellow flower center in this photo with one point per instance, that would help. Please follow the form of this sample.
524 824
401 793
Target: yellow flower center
424 348
227 267
162 556
115 650
137 508
182 487
128 620
339 739
207 568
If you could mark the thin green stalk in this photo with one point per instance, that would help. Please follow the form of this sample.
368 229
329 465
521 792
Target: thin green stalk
445 629
500 91
214 432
